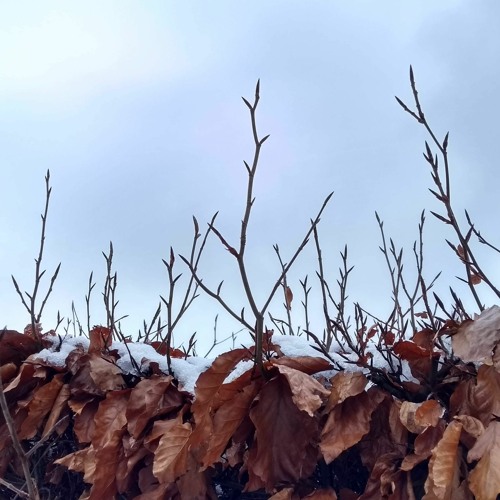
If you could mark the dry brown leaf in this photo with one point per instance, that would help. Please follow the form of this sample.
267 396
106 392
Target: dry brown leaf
16 347
8 372
484 480
212 393
28 377
485 394
416 417
100 338
284 494
306 364
307 393
323 494
284 449
443 478
94 376
407 417
110 426
423 446
345 385
171 455
475 278
348 422
475 340
134 452
210 382
225 422
60 405
40 406
84 423
429 413
386 481
195 484
151 398
74 461
288 298
471 425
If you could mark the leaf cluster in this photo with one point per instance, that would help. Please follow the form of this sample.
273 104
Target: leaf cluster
285 432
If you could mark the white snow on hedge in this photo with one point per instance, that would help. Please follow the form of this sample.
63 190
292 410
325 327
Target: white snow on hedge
187 371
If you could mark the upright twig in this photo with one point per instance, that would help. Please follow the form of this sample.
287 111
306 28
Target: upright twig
87 300
30 306
191 291
443 194
239 253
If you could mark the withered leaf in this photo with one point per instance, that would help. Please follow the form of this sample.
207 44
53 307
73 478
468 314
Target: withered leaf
345 385
307 393
284 449
40 406
348 422
475 340
443 479
484 480
151 398
171 455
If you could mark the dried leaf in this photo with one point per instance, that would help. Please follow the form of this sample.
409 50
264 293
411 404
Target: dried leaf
110 426
210 382
425 442
410 351
348 422
307 393
151 398
345 385
429 413
225 422
306 364
84 423
284 494
416 417
323 494
484 480
471 425
16 347
288 298
475 279
485 394
386 480
100 338
284 449
8 372
95 376
60 405
443 478
475 340
40 406
171 455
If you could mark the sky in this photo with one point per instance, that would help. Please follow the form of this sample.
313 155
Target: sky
135 107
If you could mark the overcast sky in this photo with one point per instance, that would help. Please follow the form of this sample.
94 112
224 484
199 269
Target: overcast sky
135 107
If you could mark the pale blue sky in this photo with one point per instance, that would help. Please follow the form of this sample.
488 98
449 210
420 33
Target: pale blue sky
135 107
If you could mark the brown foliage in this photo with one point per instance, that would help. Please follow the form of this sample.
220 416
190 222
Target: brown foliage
144 438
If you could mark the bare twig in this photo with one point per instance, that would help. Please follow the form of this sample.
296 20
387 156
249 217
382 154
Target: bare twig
443 194
32 298
258 328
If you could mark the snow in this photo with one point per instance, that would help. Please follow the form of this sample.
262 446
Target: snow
241 368
61 347
187 371
295 346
